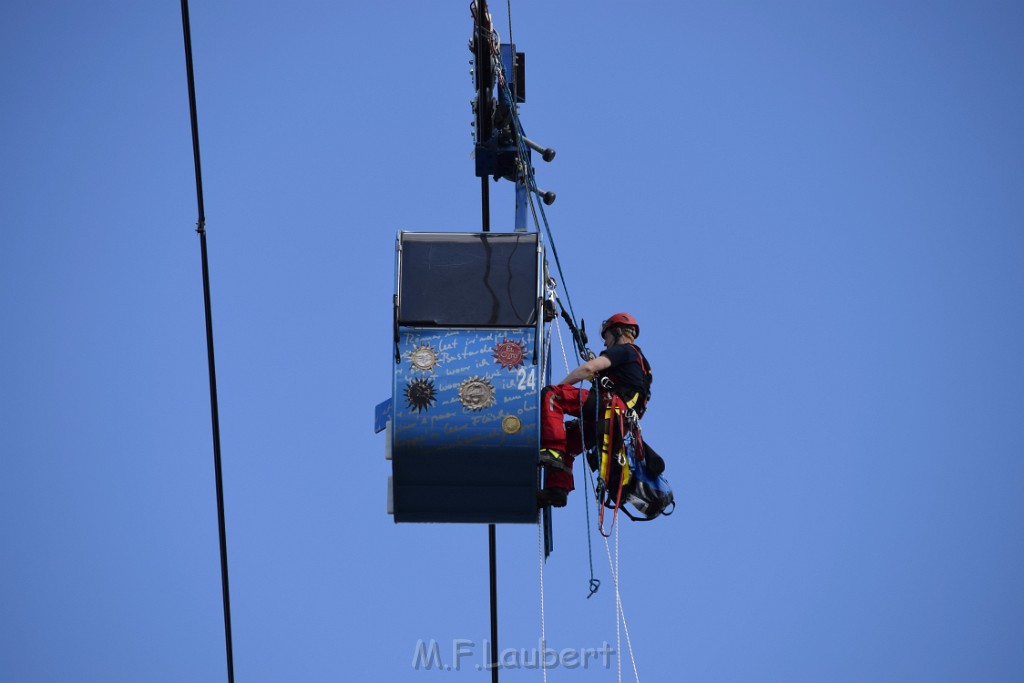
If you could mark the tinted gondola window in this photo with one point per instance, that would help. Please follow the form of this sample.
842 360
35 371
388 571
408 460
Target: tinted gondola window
468 280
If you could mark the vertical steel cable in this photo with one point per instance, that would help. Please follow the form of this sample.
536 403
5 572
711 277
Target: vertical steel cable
215 419
493 557
482 40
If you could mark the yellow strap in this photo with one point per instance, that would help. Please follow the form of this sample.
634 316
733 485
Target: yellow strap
610 413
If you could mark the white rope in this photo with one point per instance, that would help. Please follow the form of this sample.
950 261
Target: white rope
543 634
561 343
620 614
618 610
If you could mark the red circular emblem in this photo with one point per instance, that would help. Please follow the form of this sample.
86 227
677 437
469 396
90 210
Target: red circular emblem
510 354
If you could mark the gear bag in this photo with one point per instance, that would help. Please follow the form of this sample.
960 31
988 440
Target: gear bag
647 491
644 487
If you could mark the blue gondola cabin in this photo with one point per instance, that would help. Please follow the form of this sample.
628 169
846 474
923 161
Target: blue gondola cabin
463 426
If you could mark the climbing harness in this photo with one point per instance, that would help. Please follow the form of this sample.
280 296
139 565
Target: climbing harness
613 467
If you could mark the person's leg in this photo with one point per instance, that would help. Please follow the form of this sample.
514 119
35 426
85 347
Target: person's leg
557 402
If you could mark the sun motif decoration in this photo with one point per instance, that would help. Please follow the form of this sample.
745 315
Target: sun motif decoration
419 395
423 358
476 393
510 354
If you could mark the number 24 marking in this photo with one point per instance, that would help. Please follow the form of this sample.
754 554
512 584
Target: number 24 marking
527 378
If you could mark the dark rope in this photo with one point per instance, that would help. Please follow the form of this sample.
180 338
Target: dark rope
527 172
591 488
215 419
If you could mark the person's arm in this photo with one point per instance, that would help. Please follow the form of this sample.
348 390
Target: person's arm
587 370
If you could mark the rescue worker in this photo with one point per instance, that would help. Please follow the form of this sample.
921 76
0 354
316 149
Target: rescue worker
625 379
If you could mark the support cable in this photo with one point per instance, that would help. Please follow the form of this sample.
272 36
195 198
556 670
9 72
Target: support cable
214 413
482 27
492 555
527 172
480 16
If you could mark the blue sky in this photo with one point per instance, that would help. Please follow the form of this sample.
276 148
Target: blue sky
813 208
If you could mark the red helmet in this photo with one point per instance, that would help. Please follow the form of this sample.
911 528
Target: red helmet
621 319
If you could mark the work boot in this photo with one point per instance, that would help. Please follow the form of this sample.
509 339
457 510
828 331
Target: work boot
553 458
555 497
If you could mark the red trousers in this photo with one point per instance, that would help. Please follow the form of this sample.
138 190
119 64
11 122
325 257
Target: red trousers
557 402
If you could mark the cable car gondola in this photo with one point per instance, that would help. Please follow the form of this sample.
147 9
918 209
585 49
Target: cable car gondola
463 427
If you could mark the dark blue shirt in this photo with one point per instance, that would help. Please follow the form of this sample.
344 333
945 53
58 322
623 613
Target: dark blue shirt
627 370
